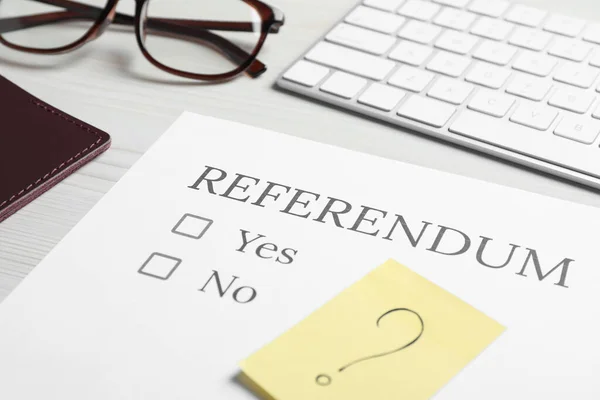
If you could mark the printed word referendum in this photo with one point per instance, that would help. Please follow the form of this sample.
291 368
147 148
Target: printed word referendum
378 223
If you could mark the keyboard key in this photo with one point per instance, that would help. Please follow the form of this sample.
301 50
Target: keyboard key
596 113
427 111
419 32
488 75
350 60
374 19
454 19
343 85
529 87
453 3
534 115
527 141
528 38
418 9
595 58
410 78
492 28
572 100
570 49
580 129
491 8
361 39
564 25
576 74
410 53
386 5
491 102
456 42
450 90
306 73
494 52
448 64
592 33
525 15
534 63
382 97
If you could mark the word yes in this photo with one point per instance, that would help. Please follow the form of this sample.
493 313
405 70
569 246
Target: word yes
266 250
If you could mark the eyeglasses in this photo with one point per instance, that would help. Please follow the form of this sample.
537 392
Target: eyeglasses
210 40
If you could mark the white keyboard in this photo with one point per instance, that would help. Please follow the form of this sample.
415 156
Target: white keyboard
507 79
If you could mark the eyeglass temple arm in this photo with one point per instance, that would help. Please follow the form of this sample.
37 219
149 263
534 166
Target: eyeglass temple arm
17 23
187 29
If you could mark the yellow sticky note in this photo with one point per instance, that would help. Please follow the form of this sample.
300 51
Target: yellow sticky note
392 335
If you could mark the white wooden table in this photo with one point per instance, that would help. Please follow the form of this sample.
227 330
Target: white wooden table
109 84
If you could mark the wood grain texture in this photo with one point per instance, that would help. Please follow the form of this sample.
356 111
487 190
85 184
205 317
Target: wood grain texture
109 84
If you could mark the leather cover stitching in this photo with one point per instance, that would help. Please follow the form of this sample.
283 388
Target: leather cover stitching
62 164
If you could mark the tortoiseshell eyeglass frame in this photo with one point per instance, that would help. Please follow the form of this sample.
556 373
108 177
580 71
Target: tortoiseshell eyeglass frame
198 31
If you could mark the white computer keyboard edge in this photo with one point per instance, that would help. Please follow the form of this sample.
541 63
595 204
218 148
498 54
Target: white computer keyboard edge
560 156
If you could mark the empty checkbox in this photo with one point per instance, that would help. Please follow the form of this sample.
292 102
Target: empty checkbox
192 226
160 266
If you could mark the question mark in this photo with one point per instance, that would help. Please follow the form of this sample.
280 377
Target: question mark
325 380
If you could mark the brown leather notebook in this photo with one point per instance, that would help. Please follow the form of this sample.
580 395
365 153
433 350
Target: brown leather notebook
39 146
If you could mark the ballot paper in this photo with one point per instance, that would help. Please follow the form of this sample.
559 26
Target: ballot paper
408 337
223 237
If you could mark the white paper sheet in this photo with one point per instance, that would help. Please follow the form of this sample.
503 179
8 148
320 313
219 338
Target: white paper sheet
91 323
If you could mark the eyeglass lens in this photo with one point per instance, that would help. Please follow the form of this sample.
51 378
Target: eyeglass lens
49 24
201 36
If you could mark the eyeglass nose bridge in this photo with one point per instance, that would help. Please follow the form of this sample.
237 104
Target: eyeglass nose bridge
111 10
